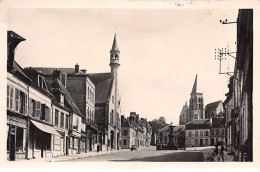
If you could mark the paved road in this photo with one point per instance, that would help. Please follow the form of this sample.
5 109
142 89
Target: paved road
149 155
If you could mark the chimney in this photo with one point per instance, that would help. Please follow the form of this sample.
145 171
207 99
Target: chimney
83 70
64 79
77 68
56 74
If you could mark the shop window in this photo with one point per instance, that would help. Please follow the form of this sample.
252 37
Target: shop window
56 117
71 142
47 139
56 142
38 109
75 145
61 120
19 139
38 139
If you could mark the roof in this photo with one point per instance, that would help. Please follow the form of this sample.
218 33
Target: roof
212 106
49 70
218 122
58 84
114 46
20 70
99 77
103 90
194 88
192 126
175 128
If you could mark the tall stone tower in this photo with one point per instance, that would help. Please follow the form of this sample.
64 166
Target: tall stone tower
114 58
196 107
114 64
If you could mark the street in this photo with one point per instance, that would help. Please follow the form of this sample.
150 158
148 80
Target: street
148 154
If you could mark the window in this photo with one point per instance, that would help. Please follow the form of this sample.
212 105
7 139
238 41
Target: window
124 141
113 99
201 133
67 122
212 132
48 114
223 131
206 133
71 142
56 117
190 134
125 132
43 110
196 133
41 82
217 132
61 99
25 103
75 145
112 117
195 116
32 107
88 92
38 109
77 124
206 142
61 120
10 95
17 100
56 142
201 116
38 140
196 142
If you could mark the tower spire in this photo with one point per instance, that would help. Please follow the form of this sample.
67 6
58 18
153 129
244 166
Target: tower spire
194 89
114 46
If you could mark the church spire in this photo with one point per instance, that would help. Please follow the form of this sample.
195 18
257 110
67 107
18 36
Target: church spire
114 46
194 89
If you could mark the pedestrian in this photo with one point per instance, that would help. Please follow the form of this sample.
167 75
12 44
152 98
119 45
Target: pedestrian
222 153
216 152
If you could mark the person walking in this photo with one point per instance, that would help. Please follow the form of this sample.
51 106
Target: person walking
222 152
216 152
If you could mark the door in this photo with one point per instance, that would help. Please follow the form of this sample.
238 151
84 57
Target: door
67 146
201 142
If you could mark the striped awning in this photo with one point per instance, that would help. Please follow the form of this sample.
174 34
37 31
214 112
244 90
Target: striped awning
45 128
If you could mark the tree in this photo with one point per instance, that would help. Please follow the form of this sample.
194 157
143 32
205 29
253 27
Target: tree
157 124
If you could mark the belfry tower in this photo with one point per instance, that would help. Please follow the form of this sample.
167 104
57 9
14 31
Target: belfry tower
114 58
196 107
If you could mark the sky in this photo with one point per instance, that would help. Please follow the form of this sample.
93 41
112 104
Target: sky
162 50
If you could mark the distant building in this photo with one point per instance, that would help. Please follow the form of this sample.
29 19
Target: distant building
217 131
214 110
184 116
197 133
196 107
163 134
128 135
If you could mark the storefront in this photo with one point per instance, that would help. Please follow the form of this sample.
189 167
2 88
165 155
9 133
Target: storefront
16 139
44 140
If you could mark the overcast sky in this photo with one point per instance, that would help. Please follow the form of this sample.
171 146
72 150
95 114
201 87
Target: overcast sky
161 51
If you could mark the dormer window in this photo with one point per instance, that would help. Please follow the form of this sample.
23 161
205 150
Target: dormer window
62 99
41 82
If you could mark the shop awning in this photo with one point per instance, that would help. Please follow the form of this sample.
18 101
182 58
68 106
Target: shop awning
45 128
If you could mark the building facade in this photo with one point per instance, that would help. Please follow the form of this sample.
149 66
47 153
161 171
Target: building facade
184 116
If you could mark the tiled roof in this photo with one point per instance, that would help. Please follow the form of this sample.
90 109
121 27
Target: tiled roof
49 70
175 128
192 126
218 122
99 77
57 84
212 106
103 90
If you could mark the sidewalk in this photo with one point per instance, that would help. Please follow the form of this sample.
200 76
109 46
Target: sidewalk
76 156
